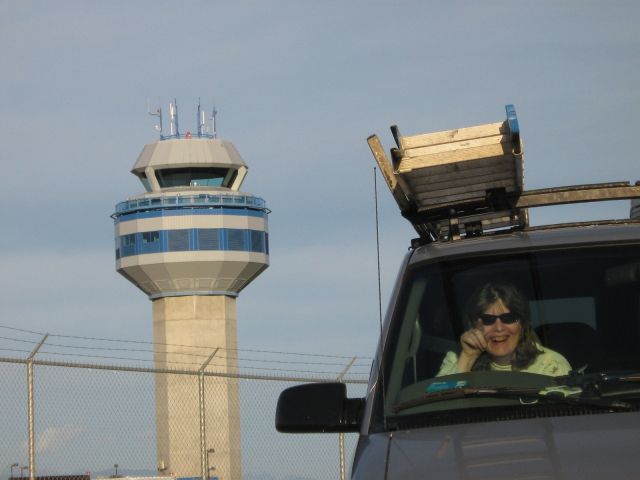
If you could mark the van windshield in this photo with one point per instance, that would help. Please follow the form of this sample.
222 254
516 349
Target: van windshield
507 330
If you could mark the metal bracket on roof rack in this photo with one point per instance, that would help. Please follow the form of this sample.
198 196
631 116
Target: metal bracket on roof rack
514 128
437 226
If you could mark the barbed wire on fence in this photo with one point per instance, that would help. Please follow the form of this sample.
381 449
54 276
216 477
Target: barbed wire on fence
97 350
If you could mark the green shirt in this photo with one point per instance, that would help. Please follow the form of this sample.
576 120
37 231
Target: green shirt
547 363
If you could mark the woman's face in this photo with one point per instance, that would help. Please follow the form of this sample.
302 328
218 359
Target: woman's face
502 338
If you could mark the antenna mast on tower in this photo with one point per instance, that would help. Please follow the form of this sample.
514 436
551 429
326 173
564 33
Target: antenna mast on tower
173 119
203 129
202 126
157 113
214 113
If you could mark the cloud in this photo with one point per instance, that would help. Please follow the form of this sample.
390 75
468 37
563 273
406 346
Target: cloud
55 438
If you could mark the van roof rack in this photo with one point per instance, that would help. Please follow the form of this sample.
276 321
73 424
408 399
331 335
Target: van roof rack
470 181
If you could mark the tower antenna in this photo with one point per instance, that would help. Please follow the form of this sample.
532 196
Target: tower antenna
157 113
214 113
173 116
202 126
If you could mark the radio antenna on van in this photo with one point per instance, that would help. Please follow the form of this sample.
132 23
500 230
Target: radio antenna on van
375 195
381 366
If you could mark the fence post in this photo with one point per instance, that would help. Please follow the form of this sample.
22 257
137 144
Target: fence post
341 435
30 413
204 458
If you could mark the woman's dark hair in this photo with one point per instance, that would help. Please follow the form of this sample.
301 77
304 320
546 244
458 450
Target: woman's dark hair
527 349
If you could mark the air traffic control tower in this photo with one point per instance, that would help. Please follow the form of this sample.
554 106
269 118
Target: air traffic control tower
191 242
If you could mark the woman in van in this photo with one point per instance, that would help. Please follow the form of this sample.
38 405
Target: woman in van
499 337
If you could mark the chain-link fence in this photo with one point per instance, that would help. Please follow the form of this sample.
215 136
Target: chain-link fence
79 419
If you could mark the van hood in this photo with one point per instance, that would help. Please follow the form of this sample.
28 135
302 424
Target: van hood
602 446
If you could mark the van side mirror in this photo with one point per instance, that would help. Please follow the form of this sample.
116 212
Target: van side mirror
318 407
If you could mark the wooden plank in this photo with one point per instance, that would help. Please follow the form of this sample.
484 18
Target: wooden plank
578 194
466 155
426 175
425 199
490 164
471 183
459 145
404 186
381 159
387 172
454 182
460 200
478 190
428 139
440 205
396 157
395 131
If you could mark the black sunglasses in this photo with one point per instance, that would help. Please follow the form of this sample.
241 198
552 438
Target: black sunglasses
506 318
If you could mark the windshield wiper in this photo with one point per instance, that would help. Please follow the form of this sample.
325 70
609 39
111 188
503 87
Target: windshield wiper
577 378
510 392
602 384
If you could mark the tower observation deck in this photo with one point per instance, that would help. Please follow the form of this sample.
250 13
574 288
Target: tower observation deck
191 242
192 232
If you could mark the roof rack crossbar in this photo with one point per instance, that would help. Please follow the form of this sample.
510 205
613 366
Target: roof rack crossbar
597 192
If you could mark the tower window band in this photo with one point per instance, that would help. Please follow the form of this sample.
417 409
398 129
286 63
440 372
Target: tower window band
194 177
195 239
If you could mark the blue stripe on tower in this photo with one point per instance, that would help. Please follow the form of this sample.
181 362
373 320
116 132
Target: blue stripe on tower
193 239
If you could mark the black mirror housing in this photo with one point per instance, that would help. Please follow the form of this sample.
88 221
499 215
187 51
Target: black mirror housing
318 407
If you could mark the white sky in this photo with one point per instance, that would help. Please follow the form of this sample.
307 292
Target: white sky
298 85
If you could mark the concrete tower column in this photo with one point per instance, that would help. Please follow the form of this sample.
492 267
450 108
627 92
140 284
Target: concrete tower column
191 243
199 322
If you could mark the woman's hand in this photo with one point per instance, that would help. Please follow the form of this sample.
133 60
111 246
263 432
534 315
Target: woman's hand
473 344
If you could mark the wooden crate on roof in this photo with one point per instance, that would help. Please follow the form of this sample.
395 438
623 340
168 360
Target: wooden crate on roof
468 182
458 166
455 170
